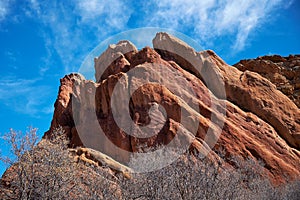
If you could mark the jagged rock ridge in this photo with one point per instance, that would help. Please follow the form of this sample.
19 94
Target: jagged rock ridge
258 120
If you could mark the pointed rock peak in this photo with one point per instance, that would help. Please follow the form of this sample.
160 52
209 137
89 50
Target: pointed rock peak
204 65
166 37
213 56
166 42
113 52
123 46
73 77
146 54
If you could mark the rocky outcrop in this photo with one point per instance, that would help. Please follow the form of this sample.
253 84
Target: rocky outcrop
63 115
97 158
284 72
248 90
115 55
174 96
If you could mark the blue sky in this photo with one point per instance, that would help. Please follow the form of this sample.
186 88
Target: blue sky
41 41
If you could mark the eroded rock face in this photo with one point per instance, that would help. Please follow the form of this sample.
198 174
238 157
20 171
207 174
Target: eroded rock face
284 72
248 90
63 115
172 90
115 55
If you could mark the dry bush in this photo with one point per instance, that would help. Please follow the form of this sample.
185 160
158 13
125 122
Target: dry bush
40 171
48 171
193 177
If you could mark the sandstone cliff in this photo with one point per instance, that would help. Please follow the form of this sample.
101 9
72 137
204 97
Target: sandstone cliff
211 104
148 107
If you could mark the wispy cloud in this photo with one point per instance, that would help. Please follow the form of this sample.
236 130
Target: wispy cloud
25 96
210 19
4 8
242 17
100 14
73 29
70 30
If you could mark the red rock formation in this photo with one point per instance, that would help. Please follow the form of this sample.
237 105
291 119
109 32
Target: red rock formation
208 103
284 72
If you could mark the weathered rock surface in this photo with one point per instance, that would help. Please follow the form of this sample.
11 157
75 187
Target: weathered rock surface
248 90
284 72
115 55
97 158
173 95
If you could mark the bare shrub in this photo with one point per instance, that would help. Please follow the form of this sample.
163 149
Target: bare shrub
48 170
193 177
39 171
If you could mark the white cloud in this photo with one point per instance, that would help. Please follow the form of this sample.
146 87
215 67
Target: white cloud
181 12
242 17
25 96
75 28
90 9
4 8
72 29
210 19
